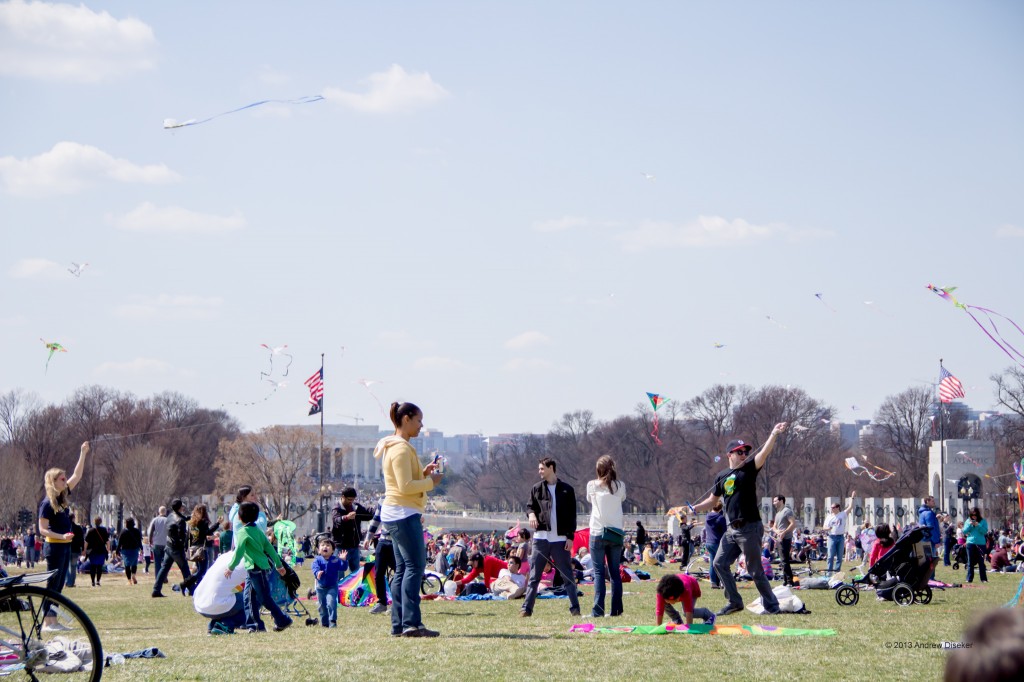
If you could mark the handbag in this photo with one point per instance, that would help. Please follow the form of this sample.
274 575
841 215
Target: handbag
196 553
613 536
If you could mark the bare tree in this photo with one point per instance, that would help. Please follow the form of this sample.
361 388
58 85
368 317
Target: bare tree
21 486
144 479
15 407
276 461
902 428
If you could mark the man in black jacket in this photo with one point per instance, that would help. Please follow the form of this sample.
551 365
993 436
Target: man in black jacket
553 518
347 526
175 552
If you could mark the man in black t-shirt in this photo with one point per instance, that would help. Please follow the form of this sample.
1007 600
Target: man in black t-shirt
736 487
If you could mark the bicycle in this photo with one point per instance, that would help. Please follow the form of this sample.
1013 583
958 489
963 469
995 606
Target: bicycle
433 582
696 567
72 647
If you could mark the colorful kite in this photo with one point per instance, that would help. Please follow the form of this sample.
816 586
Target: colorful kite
853 465
656 402
719 345
53 347
360 588
991 331
700 629
170 123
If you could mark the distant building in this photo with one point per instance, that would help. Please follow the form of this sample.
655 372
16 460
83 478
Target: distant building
850 435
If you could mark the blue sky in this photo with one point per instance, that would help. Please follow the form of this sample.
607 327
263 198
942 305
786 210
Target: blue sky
467 215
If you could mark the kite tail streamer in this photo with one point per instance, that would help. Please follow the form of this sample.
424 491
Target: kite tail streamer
1016 598
998 339
654 433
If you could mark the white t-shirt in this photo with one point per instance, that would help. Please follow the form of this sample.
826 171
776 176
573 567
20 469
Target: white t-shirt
836 523
606 506
551 535
518 578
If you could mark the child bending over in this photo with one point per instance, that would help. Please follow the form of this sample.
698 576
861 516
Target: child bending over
673 589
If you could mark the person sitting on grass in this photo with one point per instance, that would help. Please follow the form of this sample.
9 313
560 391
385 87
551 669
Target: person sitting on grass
252 546
327 572
673 589
487 566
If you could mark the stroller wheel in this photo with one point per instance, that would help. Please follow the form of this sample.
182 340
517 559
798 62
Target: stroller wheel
924 595
902 594
847 595
956 566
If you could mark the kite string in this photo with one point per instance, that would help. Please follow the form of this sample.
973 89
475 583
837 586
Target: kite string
104 438
988 314
1000 341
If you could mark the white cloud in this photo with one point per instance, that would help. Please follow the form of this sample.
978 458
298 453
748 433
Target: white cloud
271 76
71 43
70 167
437 363
1010 231
390 91
166 307
149 218
38 268
708 231
559 224
529 339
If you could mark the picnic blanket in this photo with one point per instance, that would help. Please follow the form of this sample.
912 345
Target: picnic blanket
700 629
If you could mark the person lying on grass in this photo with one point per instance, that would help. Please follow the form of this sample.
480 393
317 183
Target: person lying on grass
675 589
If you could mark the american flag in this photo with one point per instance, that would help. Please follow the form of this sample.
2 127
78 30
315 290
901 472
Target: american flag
316 391
950 387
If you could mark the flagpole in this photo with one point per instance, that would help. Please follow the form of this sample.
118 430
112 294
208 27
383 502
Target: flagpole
320 456
942 446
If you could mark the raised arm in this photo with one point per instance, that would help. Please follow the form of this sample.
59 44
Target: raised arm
79 471
706 504
762 456
849 507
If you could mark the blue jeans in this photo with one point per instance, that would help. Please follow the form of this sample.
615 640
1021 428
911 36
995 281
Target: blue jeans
712 551
976 555
257 594
158 557
57 555
410 562
327 598
353 559
72 570
544 551
746 541
698 612
835 552
599 550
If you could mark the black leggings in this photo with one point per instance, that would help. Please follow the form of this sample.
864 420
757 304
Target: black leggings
129 571
385 564
95 573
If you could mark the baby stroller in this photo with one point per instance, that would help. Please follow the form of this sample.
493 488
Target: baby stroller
959 555
901 574
284 590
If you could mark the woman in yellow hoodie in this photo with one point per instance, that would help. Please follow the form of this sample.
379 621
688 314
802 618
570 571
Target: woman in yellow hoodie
406 484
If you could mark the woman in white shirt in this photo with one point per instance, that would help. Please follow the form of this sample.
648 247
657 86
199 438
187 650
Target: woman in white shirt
605 495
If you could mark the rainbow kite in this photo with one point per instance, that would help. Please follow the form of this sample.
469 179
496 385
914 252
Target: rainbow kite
853 465
992 330
360 588
656 402
53 347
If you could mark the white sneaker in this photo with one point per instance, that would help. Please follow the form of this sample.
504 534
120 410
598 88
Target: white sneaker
55 627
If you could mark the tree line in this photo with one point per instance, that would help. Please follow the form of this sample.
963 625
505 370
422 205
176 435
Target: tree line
148 450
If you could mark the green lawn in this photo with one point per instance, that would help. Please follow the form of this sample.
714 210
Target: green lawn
488 640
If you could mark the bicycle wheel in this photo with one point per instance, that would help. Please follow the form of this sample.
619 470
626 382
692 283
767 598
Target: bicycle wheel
29 648
432 584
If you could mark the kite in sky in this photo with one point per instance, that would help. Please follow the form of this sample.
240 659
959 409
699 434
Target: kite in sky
647 176
821 297
656 402
170 123
366 383
279 350
853 465
53 347
77 269
992 330
719 345
774 321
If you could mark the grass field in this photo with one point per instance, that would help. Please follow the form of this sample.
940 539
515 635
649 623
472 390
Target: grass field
487 640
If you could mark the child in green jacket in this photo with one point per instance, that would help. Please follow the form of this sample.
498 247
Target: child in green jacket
252 546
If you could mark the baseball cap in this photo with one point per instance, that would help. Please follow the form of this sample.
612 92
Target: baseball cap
735 445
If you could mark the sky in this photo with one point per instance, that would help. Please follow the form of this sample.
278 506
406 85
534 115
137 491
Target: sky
504 212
